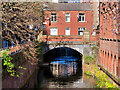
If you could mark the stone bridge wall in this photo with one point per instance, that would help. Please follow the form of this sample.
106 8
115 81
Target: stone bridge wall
83 49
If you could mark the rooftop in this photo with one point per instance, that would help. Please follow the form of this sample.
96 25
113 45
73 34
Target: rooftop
69 7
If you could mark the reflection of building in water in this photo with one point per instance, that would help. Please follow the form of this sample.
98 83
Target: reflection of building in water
63 69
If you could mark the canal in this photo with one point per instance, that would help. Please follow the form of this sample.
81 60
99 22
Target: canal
59 74
64 71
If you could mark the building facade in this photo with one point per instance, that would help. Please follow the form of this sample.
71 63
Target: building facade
69 20
95 7
110 38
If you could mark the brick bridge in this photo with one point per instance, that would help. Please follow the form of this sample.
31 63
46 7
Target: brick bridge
76 43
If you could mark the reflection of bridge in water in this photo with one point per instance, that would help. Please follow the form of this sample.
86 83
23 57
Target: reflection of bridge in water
63 68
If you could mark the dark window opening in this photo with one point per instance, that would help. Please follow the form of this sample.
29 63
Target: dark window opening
53 17
81 17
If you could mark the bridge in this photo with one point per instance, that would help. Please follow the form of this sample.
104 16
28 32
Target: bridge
76 44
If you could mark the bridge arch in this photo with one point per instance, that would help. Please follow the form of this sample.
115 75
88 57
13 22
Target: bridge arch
61 51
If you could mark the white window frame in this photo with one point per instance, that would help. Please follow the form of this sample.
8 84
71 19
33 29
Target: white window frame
67 31
51 31
81 29
81 16
93 33
67 15
53 16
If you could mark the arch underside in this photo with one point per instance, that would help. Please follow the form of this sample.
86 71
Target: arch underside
61 51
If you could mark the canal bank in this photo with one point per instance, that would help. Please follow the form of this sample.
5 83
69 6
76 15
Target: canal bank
92 70
17 82
24 63
102 80
72 75
90 78
67 75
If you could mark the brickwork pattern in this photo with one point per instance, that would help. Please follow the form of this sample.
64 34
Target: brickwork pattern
109 37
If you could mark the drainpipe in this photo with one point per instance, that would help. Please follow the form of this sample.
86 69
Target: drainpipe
97 45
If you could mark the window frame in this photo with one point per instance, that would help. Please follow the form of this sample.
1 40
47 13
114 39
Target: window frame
53 17
67 16
66 29
81 30
93 33
81 17
53 29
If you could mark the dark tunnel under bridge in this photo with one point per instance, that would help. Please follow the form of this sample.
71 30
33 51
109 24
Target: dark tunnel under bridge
59 52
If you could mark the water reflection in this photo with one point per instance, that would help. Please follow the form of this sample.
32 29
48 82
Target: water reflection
63 72
63 68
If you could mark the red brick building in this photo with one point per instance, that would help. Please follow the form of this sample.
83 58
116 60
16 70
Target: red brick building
110 38
69 19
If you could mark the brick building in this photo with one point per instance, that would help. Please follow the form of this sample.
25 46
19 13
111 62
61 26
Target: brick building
110 39
95 7
69 19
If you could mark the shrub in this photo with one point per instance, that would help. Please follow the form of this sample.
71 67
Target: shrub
89 59
10 67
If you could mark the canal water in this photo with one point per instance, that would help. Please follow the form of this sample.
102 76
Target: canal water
62 72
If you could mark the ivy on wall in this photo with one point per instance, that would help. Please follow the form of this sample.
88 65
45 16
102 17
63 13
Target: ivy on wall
9 66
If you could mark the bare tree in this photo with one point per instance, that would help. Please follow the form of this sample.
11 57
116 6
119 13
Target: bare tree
21 22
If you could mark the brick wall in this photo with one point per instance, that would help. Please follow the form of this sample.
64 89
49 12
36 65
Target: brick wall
73 24
109 40
19 59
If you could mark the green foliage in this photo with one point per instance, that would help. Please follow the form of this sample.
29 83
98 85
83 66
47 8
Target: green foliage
10 67
22 68
93 48
88 72
89 59
101 79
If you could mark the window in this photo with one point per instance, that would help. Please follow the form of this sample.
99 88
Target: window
67 17
67 31
80 30
53 31
93 33
53 17
31 26
5 43
81 17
